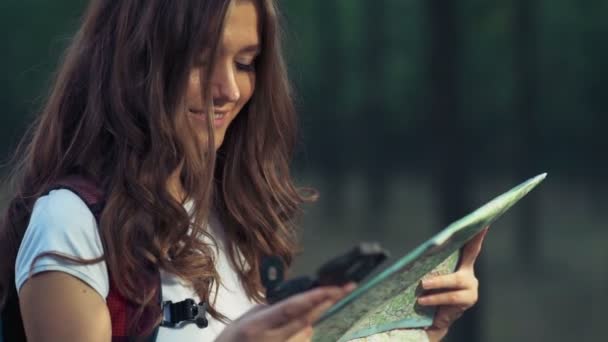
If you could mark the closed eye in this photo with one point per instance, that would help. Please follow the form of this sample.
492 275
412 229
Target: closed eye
247 67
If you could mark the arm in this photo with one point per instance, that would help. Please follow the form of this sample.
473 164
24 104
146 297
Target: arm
60 300
56 306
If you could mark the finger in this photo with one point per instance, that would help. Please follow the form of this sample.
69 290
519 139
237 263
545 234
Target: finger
446 316
472 249
457 280
462 298
317 312
297 307
255 309
302 336
296 325
349 287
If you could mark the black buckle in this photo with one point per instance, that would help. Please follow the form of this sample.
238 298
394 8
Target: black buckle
177 314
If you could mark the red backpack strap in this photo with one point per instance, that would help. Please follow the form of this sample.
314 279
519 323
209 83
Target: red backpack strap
121 309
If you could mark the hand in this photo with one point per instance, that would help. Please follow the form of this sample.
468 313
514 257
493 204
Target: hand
453 293
288 320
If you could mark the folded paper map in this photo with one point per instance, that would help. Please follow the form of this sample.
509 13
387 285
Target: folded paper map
388 300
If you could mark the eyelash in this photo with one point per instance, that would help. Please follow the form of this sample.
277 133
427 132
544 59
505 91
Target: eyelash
246 67
240 66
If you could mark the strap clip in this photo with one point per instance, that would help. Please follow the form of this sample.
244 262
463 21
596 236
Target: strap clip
177 314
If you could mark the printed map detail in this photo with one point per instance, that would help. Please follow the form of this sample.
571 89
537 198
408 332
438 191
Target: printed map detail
402 309
410 335
387 301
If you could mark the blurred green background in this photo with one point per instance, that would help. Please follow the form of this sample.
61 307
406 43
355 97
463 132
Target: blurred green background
414 112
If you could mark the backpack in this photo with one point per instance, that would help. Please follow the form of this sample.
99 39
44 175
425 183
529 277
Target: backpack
121 309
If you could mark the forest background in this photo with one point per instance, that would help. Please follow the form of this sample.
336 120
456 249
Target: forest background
414 112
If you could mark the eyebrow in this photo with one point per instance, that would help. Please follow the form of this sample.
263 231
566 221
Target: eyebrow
254 48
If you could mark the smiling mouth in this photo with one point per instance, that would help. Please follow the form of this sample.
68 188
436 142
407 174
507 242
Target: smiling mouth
217 116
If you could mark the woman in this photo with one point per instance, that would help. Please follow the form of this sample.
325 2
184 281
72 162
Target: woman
180 111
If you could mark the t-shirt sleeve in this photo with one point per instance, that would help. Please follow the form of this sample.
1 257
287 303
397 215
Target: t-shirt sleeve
61 222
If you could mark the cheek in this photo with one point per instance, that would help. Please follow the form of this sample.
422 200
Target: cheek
193 92
246 87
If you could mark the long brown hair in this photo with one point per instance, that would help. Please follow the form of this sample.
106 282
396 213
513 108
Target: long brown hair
116 113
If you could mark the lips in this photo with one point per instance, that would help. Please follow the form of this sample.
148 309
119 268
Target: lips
202 112
218 117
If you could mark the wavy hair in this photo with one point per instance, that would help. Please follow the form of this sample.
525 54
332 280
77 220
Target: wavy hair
116 112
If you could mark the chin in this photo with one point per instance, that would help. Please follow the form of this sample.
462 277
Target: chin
218 142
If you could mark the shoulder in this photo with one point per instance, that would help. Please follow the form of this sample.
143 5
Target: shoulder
64 207
62 223
61 218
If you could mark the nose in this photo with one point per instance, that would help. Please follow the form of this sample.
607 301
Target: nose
225 87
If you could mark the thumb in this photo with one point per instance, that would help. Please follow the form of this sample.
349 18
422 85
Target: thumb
472 249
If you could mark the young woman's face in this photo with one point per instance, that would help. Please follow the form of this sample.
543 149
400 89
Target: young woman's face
233 78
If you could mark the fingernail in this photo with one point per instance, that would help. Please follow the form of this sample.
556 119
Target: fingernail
427 282
350 287
422 300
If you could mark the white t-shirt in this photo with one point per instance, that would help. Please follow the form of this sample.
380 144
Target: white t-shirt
61 222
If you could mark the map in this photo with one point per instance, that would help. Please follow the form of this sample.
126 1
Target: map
388 300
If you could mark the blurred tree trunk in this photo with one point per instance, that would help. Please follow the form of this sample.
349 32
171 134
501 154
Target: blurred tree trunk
526 106
447 136
372 119
596 73
330 137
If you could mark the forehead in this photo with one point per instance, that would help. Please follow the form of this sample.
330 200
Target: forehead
242 26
